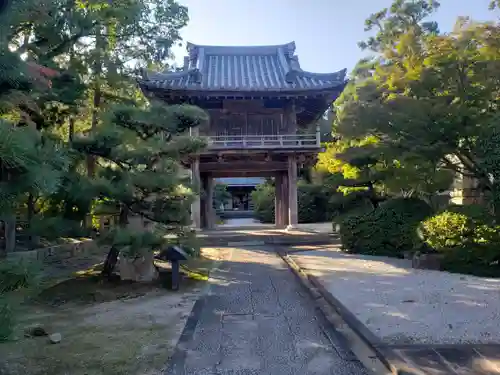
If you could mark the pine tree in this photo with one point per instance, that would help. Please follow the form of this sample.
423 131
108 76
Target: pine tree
28 161
140 177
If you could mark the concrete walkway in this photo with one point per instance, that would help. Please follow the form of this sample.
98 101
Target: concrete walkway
257 319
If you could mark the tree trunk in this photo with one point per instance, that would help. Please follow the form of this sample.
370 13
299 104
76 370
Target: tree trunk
71 129
123 216
34 240
110 262
372 195
10 234
96 104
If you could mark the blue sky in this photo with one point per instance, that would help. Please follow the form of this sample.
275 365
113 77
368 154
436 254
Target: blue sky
326 32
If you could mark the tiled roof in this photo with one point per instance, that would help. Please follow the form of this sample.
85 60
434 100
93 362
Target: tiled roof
259 68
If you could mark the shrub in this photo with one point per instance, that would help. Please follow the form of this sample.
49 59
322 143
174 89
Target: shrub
6 320
459 226
468 238
14 277
313 203
390 229
263 203
352 204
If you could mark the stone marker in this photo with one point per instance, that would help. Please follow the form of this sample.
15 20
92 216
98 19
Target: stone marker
55 338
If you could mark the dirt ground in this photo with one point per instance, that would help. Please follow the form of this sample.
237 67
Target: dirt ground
106 327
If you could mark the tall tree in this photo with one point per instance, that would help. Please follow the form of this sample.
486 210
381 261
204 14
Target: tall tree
428 98
139 175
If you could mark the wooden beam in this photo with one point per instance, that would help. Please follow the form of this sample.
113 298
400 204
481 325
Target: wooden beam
243 166
222 174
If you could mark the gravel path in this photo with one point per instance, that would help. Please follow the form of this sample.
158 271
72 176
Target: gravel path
257 319
402 305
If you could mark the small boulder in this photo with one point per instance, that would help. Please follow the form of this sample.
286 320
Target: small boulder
35 331
427 261
55 338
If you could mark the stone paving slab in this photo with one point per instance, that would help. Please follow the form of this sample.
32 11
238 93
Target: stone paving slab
256 319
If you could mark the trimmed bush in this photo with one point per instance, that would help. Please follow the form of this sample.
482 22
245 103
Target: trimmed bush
352 204
313 204
467 237
391 229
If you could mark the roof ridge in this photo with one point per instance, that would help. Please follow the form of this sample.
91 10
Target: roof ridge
194 49
190 45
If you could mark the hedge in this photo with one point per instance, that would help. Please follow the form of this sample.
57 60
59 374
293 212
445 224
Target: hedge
391 229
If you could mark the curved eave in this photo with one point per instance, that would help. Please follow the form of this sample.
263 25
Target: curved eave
198 91
164 77
330 77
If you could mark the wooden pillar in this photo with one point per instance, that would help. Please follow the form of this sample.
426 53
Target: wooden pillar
209 202
279 218
277 195
284 198
196 205
292 192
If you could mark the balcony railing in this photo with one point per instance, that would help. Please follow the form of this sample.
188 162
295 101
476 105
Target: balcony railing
264 141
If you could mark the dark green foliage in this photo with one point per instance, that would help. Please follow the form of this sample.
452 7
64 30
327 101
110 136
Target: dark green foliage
354 203
468 238
263 203
390 229
313 203
53 227
14 277
133 243
140 176
221 195
7 321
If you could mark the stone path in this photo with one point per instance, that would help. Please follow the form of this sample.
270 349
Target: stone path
257 319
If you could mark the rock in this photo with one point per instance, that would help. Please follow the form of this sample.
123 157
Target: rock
426 261
55 338
35 331
141 269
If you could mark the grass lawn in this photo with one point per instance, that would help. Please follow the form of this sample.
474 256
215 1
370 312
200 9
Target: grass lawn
107 327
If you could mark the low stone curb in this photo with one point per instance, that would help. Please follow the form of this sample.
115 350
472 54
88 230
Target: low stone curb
281 240
56 252
333 310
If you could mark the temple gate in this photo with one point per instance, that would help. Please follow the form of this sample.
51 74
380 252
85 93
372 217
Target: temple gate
263 109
